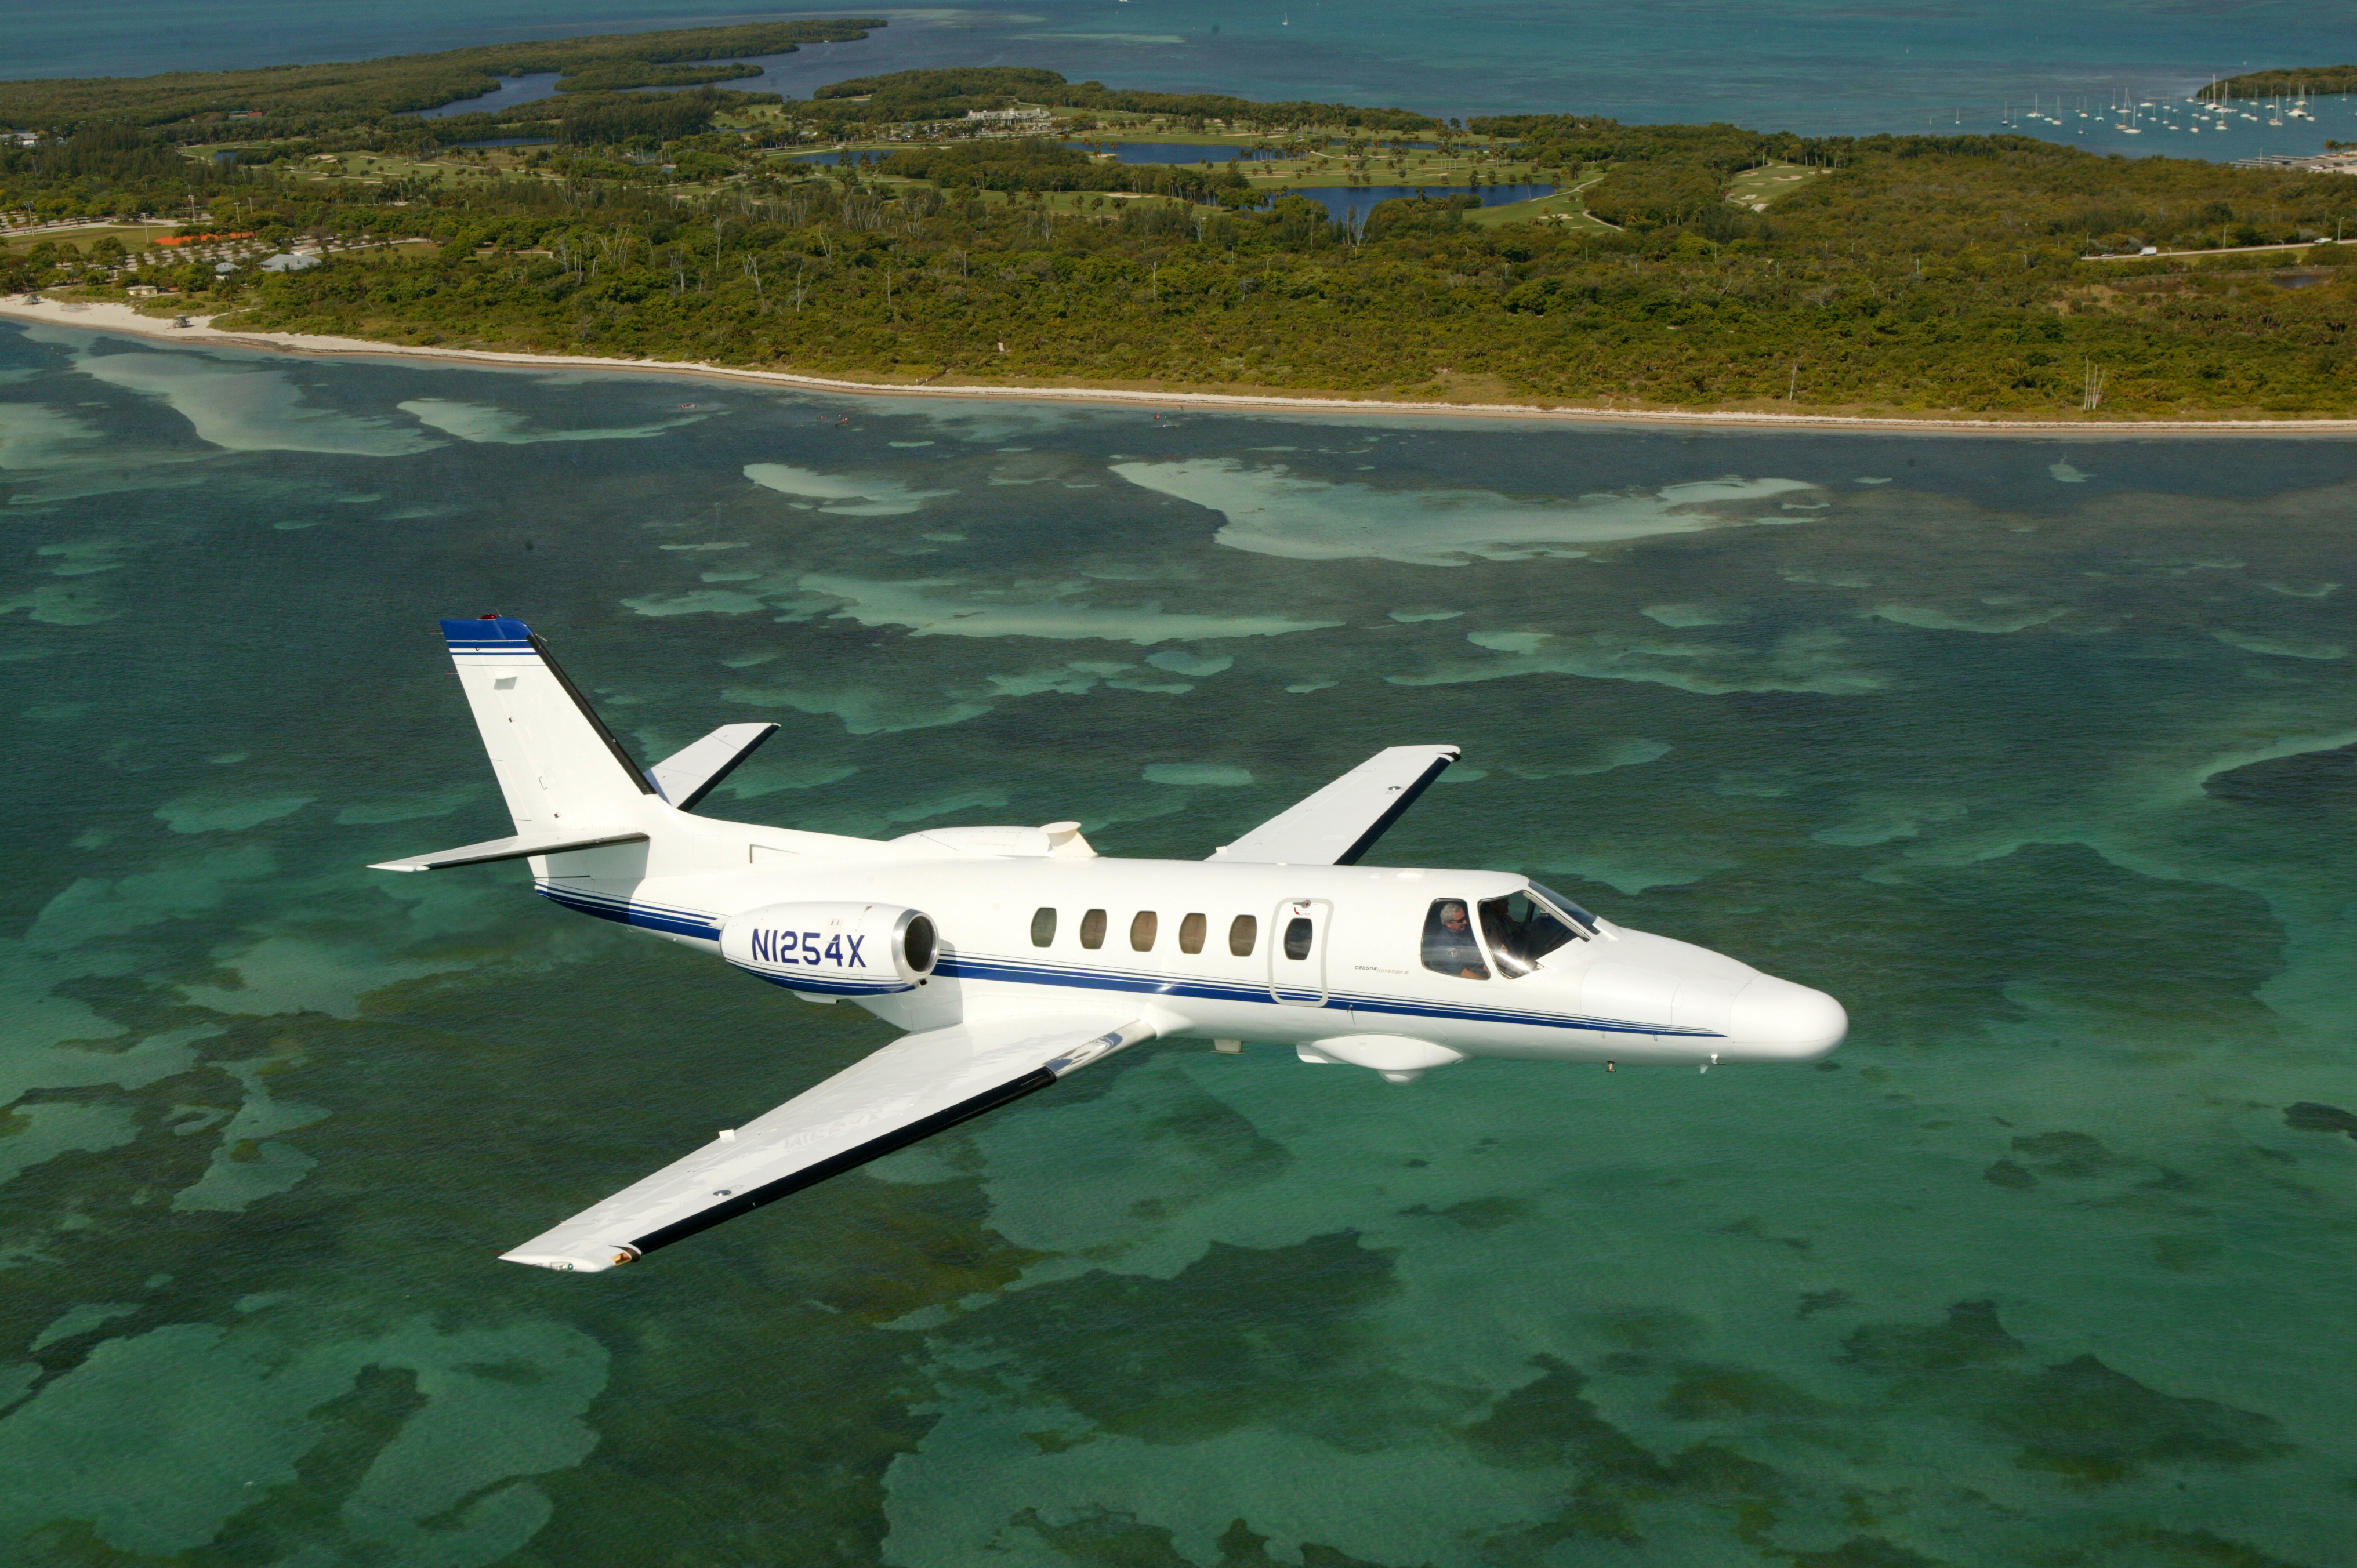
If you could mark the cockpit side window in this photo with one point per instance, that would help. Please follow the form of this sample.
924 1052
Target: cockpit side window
1449 946
1521 930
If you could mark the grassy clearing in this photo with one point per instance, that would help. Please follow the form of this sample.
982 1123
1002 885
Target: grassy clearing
1564 209
1760 189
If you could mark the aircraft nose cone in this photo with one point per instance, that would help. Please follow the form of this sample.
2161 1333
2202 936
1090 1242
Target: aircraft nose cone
1785 1019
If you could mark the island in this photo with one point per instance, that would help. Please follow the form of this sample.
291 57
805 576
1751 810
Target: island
1003 227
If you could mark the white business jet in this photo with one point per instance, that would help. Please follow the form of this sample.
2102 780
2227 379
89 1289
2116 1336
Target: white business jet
1014 955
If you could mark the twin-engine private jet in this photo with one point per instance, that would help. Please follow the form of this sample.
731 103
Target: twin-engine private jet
1014 955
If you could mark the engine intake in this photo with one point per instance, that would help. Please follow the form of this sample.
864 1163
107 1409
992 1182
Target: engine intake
835 949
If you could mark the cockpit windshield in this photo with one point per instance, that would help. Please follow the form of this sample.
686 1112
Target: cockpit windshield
1523 930
1563 906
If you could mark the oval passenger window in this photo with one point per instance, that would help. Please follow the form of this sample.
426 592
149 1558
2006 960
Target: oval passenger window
1244 933
1190 934
1043 928
1142 929
1298 935
1093 929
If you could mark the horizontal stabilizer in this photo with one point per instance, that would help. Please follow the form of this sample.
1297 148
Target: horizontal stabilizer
1342 822
916 1085
516 848
686 777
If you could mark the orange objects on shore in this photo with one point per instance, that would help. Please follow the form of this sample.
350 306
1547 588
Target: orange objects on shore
201 239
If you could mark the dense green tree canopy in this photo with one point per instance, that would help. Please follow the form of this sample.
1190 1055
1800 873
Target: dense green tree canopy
1037 164
2284 83
944 94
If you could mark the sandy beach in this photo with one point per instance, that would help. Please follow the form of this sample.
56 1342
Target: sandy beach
103 316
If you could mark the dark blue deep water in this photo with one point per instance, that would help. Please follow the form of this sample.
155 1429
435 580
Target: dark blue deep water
1339 201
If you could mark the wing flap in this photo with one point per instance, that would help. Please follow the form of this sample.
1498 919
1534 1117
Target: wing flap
918 1085
687 776
517 848
1340 822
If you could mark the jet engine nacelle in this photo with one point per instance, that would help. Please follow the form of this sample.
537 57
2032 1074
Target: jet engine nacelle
833 950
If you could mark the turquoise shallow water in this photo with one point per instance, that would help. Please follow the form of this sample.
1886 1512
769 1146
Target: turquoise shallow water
2035 753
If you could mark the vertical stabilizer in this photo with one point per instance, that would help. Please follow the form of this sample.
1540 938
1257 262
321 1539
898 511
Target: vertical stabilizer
558 764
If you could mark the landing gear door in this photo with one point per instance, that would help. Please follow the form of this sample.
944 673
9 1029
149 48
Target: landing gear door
1297 952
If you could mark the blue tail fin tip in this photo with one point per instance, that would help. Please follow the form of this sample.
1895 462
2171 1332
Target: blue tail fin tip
490 630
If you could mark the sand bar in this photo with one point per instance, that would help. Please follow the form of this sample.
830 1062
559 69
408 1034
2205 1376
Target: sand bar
104 317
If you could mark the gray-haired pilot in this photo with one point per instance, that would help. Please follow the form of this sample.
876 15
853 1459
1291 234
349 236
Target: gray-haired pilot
1448 943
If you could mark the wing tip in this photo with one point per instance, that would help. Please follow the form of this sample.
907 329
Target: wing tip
582 1260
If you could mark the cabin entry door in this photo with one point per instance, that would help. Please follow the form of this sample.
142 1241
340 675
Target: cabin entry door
1297 952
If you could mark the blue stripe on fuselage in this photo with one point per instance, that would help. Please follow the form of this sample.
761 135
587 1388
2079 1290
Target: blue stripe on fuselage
1020 971
671 922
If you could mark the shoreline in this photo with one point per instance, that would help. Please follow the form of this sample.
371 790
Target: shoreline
106 316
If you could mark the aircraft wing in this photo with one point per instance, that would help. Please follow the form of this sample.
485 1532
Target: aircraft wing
916 1085
1342 822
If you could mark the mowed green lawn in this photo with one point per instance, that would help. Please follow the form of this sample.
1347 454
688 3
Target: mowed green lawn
1758 189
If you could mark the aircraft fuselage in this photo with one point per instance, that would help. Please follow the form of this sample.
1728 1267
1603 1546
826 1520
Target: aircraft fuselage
1036 934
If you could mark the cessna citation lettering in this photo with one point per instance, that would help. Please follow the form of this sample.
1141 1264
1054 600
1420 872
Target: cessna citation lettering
1012 956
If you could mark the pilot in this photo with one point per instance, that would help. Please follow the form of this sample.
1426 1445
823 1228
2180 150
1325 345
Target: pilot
1448 944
